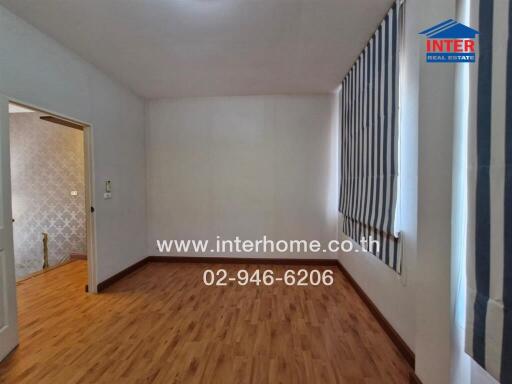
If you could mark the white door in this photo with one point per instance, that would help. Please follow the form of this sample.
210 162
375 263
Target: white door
8 310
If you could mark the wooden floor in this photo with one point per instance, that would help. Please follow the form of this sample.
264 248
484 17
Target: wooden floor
161 324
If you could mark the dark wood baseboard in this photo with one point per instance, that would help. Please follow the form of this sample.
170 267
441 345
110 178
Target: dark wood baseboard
77 256
240 260
217 260
46 270
402 346
414 379
118 276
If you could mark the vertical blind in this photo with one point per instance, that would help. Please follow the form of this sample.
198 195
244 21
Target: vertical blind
369 142
489 302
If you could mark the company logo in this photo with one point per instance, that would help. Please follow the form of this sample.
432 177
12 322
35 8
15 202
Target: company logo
450 42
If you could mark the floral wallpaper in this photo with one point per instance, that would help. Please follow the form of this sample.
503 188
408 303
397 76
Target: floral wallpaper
47 165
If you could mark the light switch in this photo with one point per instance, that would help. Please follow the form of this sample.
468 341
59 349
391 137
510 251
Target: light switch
108 190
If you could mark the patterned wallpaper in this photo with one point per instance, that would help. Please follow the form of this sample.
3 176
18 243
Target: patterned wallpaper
47 163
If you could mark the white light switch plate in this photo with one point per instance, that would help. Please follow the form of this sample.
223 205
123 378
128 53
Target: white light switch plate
107 195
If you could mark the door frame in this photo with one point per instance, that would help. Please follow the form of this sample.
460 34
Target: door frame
92 281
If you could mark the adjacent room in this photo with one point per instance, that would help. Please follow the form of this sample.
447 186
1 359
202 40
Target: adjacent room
47 189
256 191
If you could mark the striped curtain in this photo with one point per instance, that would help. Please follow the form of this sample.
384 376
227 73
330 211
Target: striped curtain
489 302
369 142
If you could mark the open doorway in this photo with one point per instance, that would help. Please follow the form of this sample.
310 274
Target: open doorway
50 191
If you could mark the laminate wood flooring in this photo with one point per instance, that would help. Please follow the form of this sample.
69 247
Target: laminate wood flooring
161 324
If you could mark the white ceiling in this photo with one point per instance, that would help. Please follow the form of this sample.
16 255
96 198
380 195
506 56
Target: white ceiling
176 48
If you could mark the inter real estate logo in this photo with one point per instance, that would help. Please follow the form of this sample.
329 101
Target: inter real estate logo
450 42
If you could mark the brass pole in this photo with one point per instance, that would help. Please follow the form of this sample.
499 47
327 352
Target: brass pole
45 251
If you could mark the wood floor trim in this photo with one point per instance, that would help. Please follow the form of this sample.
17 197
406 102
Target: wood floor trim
78 256
118 276
217 260
414 379
49 269
241 260
395 337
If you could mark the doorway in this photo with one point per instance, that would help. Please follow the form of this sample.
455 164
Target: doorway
50 191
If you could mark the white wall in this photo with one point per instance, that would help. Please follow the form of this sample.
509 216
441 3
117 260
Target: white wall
36 70
246 166
436 130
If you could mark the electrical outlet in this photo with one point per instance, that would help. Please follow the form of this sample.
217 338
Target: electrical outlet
74 193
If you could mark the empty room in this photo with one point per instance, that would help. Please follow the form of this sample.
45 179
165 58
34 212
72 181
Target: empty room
256 191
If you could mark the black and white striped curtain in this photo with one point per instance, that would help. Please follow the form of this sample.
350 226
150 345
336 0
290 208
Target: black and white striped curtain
369 142
489 236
